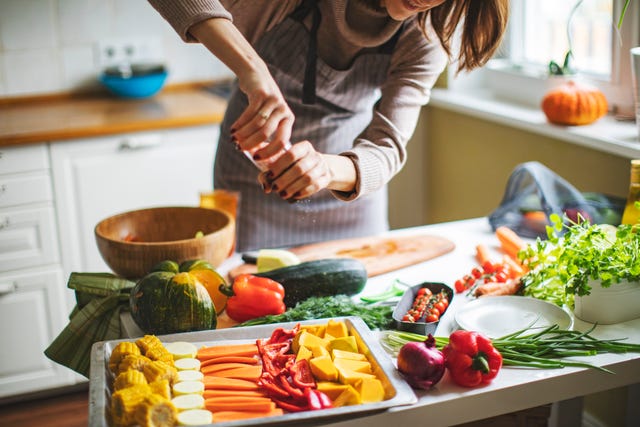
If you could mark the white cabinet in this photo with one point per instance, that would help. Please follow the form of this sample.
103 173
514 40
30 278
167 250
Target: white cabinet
32 306
96 178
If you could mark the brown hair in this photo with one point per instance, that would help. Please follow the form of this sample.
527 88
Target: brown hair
483 25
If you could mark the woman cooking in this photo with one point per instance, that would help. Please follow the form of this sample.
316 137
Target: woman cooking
328 93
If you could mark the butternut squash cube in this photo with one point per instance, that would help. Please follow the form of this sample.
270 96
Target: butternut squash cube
341 354
323 368
304 338
317 330
337 328
347 376
304 353
331 389
318 351
353 365
344 343
370 390
349 396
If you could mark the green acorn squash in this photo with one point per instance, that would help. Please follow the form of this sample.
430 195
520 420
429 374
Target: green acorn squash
168 300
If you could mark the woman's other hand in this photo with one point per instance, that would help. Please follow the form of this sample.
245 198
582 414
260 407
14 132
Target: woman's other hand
267 117
302 171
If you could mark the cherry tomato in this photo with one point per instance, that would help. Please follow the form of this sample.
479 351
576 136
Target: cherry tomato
501 277
488 267
432 318
459 286
440 307
476 272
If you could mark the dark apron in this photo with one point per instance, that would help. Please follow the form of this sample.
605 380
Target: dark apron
331 108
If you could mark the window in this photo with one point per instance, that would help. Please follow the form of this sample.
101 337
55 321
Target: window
545 30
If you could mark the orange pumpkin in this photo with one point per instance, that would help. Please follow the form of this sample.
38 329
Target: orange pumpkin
574 104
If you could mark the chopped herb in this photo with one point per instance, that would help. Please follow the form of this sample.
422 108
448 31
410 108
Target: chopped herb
375 316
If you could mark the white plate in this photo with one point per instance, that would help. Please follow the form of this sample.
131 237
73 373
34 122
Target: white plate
501 315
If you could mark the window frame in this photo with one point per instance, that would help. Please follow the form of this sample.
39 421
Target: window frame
507 80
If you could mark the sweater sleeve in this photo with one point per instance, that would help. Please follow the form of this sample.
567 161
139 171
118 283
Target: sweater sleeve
380 151
181 15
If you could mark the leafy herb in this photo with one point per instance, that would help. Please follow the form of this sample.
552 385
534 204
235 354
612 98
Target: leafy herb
562 266
545 348
375 316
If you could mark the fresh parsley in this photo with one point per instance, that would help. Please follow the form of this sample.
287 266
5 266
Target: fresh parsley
561 267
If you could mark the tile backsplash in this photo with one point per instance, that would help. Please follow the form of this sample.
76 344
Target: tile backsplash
52 46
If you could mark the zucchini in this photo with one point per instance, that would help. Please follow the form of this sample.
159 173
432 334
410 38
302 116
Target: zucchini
319 278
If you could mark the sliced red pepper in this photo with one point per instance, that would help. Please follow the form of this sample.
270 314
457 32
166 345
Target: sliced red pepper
289 405
313 400
294 392
471 358
324 399
253 296
274 390
301 375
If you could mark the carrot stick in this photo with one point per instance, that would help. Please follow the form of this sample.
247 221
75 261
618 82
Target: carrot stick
482 254
230 359
219 367
222 416
249 373
231 393
243 350
510 242
510 287
515 268
219 383
255 404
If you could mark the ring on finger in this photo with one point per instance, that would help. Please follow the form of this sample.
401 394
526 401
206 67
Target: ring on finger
264 115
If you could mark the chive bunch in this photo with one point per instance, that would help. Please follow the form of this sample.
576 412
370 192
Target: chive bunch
546 348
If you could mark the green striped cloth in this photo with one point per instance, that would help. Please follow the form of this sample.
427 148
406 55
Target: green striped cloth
100 298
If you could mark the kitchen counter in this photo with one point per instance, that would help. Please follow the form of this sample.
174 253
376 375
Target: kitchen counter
67 116
514 389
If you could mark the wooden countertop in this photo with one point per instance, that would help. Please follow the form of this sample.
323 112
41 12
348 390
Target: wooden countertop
67 116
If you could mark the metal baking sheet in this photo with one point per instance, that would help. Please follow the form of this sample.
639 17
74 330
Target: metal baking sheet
398 392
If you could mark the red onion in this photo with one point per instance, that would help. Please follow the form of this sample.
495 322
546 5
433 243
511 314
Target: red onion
421 363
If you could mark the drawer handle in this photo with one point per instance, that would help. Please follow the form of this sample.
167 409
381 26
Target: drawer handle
4 223
134 144
3 189
7 288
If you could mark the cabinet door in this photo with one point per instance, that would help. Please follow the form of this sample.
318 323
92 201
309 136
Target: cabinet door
32 314
97 178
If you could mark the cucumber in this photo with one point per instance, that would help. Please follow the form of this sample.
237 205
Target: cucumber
319 278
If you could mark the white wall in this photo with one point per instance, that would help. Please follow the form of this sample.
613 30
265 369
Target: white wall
51 46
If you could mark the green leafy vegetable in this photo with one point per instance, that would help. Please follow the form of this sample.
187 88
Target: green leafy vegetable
375 316
562 266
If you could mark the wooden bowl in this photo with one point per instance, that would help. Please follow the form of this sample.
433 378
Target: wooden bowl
131 243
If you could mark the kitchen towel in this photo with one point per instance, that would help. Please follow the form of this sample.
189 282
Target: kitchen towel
534 192
96 317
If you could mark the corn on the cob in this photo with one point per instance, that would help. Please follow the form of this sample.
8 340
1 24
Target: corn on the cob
124 403
156 411
159 353
137 362
129 378
120 351
159 370
161 387
147 342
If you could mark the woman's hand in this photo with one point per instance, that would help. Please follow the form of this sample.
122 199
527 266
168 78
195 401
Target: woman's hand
302 171
266 118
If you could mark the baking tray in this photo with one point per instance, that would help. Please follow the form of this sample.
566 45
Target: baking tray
397 391
406 301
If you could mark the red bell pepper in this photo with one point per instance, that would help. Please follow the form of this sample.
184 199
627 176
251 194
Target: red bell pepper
251 297
471 358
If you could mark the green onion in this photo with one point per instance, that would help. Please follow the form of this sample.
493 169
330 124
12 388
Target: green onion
546 348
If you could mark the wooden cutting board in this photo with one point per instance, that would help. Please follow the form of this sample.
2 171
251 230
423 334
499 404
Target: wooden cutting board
379 254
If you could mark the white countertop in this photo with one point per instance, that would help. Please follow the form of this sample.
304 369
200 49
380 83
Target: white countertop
513 389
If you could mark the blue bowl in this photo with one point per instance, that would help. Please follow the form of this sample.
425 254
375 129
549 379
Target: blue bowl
135 86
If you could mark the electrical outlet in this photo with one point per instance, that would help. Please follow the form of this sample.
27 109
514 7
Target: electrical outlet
116 51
